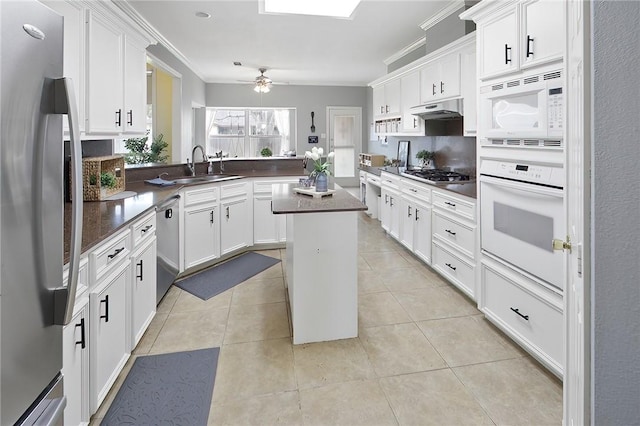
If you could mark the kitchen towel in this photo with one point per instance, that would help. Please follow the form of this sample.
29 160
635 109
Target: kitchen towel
160 182
219 278
166 389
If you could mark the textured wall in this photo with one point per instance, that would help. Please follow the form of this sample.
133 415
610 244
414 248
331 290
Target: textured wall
615 262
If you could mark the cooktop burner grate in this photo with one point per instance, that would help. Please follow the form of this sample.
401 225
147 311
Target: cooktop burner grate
437 175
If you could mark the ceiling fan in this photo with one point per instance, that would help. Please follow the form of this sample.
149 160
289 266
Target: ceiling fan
262 82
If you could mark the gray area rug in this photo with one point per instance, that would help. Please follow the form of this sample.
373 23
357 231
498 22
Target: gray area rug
166 389
219 278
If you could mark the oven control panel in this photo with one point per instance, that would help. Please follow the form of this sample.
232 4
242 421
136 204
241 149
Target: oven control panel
525 172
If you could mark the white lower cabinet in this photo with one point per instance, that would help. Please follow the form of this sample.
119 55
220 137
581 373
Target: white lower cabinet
266 225
108 307
455 268
143 290
390 214
75 365
234 224
201 234
530 312
422 232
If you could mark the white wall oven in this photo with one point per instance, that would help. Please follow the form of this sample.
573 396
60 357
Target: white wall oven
522 211
524 111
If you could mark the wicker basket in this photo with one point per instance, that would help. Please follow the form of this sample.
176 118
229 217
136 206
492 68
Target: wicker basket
92 168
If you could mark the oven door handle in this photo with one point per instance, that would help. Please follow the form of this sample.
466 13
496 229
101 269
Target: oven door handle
521 186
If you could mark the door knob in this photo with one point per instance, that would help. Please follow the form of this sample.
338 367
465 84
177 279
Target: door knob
561 245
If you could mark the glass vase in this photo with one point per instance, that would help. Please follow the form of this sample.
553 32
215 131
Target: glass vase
321 182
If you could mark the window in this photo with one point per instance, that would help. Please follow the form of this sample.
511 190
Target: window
247 131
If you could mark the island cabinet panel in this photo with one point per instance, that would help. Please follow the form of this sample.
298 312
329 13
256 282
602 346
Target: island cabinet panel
322 275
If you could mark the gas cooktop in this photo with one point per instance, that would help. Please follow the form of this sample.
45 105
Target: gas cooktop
437 176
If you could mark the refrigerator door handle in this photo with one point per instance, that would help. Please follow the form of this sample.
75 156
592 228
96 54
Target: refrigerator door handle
65 103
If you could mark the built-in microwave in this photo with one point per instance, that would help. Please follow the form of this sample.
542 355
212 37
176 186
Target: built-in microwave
527 107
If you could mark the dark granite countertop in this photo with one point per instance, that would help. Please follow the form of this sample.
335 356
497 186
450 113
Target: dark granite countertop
285 201
102 219
466 189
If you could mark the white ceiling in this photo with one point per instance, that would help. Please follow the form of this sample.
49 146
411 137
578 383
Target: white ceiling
294 49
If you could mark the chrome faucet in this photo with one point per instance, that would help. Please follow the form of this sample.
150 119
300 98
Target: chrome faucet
219 154
192 165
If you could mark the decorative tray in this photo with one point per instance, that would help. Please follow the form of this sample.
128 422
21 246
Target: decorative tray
312 191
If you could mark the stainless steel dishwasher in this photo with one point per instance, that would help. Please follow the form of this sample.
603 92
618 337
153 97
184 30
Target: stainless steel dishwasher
168 234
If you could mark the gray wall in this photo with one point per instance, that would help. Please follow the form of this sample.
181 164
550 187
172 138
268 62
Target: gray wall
304 98
193 92
615 263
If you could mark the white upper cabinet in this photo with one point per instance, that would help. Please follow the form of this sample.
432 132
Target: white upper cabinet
441 79
104 76
514 35
410 97
386 99
499 53
542 31
135 87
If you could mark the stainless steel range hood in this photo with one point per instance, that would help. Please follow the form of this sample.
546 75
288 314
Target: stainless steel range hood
439 111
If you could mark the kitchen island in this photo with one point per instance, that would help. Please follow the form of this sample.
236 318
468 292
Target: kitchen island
321 262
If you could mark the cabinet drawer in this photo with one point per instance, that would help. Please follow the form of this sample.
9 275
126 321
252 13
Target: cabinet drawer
108 255
459 235
373 179
518 306
201 195
454 204
264 186
452 267
389 180
83 279
142 229
416 190
233 189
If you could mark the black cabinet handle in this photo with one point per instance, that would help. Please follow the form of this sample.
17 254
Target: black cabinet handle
115 253
391 201
529 46
450 204
381 110
386 199
386 108
442 87
433 90
146 228
211 216
413 190
119 118
227 212
106 308
82 342
139 276
415 123
130 117
416 215
449 231
408 211
451 266
507 59
517 311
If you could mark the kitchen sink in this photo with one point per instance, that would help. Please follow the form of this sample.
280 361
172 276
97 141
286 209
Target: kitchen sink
204 178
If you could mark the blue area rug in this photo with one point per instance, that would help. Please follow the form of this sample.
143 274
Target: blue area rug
166 389
219 278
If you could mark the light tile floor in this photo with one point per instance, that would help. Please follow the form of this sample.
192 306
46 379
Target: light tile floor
424 356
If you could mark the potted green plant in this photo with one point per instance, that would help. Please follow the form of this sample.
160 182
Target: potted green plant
140 152
266 152
426 158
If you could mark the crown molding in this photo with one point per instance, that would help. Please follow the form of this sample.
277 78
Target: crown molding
440 16
133 14
422 41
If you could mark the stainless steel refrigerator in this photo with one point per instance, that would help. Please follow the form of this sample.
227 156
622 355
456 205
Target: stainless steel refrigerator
34 305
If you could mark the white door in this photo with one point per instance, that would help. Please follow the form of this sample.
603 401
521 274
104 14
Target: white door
345 139
576 373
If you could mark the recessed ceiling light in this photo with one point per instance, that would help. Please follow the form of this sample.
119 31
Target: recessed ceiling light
237 63
333 8
203 15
